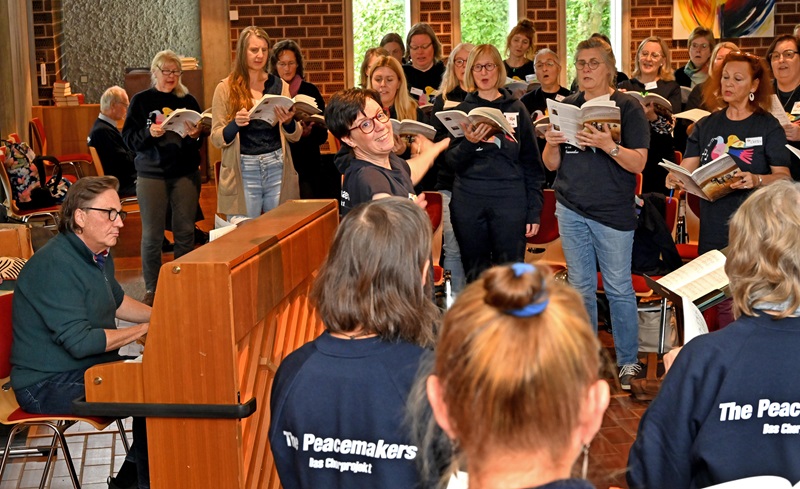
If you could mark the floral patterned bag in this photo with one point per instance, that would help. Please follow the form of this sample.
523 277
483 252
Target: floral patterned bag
24 169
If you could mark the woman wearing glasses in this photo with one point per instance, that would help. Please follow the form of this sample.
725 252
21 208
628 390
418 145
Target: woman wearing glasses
286 62
374 171
519 48
167 164
452 92
744 129
497 193
595 200
785 66
257 172
701 44
425 69
548 71
653 73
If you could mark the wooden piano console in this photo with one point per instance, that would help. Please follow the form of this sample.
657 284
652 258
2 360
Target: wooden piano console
224 317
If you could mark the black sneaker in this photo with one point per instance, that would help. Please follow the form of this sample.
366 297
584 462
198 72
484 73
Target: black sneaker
114 484
149 297
627 373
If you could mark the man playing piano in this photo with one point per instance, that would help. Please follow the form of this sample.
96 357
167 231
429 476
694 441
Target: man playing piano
65 305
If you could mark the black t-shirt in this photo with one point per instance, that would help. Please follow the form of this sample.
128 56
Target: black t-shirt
258 137
791 105
536 103
755 143
363 180
520 72
445 175
425 81
591 182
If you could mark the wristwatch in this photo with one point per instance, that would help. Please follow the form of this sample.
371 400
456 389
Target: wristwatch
614 152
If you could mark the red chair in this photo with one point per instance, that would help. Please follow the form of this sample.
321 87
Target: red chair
38 139
434 210
688 251
548 229
12 415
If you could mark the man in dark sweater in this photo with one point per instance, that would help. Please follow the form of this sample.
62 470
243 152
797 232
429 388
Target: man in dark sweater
65 304
116 158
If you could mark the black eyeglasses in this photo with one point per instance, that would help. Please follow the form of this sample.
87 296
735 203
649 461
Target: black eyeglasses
488 66
112 213
171 72
593 64
368 125
788 54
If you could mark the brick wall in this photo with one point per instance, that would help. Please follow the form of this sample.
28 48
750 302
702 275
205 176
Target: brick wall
48 32
316 25
654 18
545 21
437 13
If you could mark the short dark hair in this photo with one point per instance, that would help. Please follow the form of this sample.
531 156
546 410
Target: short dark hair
372 277
81 194
280 47
344 108
774 45
393 37
423 28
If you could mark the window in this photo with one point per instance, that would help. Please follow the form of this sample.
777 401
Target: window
584 18
373 20
488 22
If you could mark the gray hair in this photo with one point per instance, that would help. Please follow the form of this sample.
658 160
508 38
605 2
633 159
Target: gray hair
111 96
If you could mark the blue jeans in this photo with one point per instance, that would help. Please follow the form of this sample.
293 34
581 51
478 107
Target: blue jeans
452 254
54 395
262 176
155 195
586 243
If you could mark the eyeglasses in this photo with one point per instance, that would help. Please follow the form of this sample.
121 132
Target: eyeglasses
171 72
654 55
488 66
281 64
112 213
699 46
459 62
368 125
422 46
788 54
549 64
592 64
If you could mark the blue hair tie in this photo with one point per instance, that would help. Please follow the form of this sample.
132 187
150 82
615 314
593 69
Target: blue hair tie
534 308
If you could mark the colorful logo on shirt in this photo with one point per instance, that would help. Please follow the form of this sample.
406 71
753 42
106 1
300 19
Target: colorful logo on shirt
717 147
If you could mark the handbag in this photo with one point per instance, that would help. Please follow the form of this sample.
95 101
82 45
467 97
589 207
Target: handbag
26 172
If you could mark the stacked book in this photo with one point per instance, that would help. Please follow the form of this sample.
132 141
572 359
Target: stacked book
62 94
188 64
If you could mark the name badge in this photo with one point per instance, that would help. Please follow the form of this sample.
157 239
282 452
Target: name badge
511 117
651 85
750 142
559 97
417 91
795 108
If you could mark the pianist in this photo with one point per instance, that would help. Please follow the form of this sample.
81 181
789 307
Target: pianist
337 403
65 305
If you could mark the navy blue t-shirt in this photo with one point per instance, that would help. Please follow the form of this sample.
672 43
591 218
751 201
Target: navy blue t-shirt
363 180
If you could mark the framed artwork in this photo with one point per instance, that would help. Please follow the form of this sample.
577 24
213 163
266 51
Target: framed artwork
728 19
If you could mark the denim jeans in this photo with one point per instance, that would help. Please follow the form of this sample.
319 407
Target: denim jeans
262 176
452 255
55 394
155 195
586 243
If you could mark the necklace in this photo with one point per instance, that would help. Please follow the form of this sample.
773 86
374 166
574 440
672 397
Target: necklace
362 334
785 109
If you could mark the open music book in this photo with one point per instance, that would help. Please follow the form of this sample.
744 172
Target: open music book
409 127
303 105
453 119
710 181
570 120
693 115
757 482
175 120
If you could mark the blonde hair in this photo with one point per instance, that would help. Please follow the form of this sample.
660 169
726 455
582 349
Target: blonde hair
525 28
449 79
365 63
403 104
167 56
239 79
665 70
763 262
500 68
514 381
596 42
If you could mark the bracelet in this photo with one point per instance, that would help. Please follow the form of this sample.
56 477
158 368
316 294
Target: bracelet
760 181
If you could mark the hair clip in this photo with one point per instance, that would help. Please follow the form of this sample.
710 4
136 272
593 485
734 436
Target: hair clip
534 308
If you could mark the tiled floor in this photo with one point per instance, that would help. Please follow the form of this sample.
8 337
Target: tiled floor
96 455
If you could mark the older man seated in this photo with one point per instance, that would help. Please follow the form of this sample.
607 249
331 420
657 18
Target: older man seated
65 305
117 159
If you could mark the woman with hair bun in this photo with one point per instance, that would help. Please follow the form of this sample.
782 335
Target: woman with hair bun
520 49
521 422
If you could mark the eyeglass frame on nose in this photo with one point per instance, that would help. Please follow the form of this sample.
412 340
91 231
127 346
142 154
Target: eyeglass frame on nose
170 72
650 54
477 68
549 63
777 56
420 47
122 214
281 64
581 64
460 62
371 120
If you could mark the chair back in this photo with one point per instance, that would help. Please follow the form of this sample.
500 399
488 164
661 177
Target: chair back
434 210
98 165
694 203
6 335
548 227
37 137
671 213
678 157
